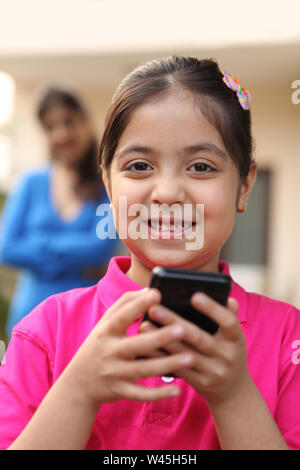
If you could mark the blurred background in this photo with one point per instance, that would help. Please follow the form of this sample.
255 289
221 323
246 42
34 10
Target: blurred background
92 44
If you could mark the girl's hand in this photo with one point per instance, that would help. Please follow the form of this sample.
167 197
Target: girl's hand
220 369
106 366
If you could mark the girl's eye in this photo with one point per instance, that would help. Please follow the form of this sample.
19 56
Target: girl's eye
138 167
201 167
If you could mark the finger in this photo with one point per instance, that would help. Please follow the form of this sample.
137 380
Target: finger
193 335
144 368
225 317
128 312
203 364
174 347
118 304
140 393
141 345
159 353
233 305
194 378
195 340
123 300
147 326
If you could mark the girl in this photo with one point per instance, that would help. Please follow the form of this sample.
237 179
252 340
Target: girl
176 133
48 224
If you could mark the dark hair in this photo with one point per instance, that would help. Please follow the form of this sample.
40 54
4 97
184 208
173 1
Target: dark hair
89 185
203 78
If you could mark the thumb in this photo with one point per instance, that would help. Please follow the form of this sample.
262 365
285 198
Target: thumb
233 305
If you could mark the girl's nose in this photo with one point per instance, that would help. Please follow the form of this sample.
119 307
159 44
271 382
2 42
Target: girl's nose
168 190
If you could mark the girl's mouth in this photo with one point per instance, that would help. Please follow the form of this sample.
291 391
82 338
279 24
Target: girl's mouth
167 230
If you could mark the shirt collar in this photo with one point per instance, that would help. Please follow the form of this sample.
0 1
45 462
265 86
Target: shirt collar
115 283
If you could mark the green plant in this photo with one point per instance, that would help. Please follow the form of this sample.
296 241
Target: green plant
2 200
4 306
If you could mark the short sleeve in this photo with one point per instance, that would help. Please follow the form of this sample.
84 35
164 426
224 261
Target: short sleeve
25 378
287 414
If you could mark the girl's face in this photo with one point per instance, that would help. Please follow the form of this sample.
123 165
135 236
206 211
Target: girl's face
68 134
169 154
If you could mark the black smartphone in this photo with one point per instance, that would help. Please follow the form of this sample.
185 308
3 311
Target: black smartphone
177 287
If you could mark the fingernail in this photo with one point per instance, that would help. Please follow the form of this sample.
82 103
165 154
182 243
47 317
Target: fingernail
144 290
159 312
185 359
146 329
150 294
200 298
177 331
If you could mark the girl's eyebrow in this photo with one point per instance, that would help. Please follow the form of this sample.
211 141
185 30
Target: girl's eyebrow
134 148
206 147
191 149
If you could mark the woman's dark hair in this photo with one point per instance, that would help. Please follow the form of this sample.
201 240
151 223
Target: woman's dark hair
89 185
203 79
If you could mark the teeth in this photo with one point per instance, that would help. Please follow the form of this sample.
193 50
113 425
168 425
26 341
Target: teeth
177 227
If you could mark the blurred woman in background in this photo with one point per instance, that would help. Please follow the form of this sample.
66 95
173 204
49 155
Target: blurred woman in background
49 221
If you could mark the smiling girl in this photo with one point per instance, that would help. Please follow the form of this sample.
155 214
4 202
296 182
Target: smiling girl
176 133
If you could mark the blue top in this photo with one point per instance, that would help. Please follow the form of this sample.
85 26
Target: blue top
51 252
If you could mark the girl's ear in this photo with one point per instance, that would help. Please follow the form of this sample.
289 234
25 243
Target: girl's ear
246 188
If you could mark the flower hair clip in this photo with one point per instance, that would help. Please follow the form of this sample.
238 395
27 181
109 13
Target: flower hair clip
241 92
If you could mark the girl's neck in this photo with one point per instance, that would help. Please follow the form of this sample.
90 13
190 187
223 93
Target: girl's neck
138 272
141 274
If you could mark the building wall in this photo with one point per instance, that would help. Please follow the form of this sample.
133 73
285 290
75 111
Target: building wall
276 126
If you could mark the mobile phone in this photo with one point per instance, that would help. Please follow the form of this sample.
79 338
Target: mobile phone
177 287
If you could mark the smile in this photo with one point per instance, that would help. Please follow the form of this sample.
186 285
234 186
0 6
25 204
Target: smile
160 226
163 230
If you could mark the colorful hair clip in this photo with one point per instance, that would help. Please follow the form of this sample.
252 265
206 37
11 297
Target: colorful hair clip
241 92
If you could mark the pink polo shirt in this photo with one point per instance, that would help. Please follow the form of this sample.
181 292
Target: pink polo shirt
45 341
